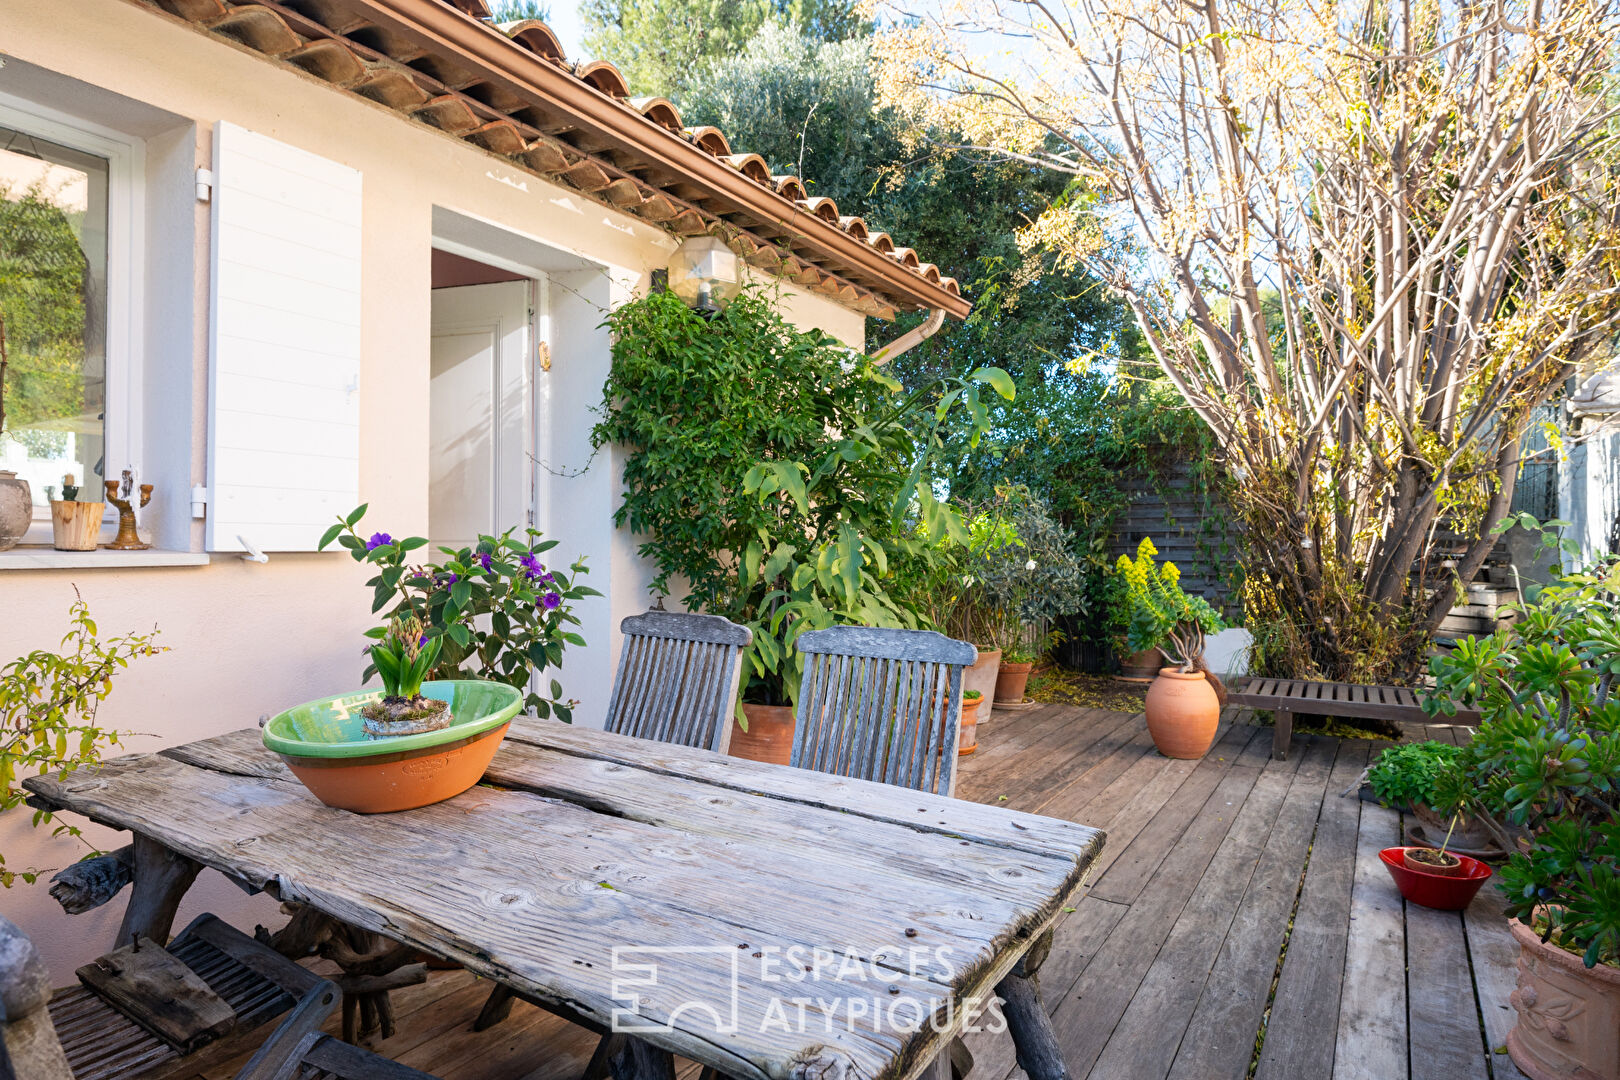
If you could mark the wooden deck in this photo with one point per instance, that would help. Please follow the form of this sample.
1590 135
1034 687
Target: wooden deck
1239 923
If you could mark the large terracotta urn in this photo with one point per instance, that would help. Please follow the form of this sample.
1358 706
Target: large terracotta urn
769 737
1569 1014
1182 713
16 508
981 676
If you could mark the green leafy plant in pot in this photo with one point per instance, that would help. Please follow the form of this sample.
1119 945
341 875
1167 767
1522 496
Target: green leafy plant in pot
1184 703
1544 768
1425 779
779 476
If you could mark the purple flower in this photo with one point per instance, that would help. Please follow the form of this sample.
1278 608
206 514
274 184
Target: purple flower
378 540
482 559
447 579
533 568
551 600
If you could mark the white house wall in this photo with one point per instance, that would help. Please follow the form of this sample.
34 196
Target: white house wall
248 639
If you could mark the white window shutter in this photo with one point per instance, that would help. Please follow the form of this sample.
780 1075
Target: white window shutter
284 350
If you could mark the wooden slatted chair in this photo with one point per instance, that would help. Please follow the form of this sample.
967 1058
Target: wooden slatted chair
880 704
677 679
75 1035
677 682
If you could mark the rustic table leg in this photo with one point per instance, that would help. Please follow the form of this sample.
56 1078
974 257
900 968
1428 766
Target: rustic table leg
640 1060
161 879
607 1047
497 1007
1031 1028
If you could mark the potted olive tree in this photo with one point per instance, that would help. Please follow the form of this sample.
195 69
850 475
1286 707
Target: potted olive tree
1544 766
1184 703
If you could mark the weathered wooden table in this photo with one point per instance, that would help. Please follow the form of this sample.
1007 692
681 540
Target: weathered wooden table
766 922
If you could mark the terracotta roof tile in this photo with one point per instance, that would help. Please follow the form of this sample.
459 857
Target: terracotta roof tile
537 37
660 111
711 139
450 79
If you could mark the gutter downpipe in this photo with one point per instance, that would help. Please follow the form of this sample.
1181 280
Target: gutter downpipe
911 338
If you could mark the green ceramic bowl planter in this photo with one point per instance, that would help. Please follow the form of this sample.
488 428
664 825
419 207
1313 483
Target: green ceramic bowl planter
325 744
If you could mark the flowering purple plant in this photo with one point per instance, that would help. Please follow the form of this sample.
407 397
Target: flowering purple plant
494 608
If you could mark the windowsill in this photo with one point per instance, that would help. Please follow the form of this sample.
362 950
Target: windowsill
35 557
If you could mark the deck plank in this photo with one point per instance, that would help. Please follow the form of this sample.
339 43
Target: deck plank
1219 1040
1372 1008
1298 1041
1144 1043
1087 1017
1495 957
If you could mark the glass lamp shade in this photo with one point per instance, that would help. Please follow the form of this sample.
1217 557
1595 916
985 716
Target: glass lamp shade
703 272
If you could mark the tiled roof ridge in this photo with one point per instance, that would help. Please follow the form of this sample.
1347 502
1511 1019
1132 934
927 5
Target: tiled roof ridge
339 42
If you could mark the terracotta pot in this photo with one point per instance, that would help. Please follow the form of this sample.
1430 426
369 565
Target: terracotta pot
1413 860
16 508
981 675
1182 713
75 526
1569 1014
383 783
1141 666
968 741
1010 682
769 737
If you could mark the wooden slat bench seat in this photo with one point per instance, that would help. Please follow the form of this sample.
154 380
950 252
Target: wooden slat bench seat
1285 697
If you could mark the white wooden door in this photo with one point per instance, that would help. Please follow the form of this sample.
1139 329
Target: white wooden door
479 412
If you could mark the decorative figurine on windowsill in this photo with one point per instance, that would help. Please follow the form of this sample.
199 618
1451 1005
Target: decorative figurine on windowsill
120 494
75 525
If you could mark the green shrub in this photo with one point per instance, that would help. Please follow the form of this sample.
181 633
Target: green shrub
1413 773
1545 762
777 474
48 704
1158 613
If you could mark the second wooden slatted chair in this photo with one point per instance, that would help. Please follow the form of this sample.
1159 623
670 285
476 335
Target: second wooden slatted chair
880 704
677 683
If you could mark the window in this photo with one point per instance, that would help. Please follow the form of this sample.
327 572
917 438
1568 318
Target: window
53 299
70 227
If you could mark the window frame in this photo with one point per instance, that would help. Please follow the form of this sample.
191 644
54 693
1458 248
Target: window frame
123 434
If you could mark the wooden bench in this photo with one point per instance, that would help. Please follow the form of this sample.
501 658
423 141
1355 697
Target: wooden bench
1285 697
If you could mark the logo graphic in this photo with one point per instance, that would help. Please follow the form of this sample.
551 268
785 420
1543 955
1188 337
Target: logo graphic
636 970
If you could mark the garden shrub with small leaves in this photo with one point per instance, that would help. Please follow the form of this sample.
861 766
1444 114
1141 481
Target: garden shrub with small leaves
1417 773
496 610
48 704
1545 762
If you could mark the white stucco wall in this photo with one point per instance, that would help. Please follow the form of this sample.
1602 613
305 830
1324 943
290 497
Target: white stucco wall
249 639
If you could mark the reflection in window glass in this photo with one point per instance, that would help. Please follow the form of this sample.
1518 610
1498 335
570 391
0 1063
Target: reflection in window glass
53 297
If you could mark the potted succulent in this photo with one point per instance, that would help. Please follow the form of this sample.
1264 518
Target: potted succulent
458 655
16 497
1184 702
75 525
1544 766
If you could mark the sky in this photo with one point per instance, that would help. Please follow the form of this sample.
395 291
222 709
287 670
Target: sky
565 23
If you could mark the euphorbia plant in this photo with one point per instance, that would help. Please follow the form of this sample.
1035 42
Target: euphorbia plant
1161 614
494 609
1545 762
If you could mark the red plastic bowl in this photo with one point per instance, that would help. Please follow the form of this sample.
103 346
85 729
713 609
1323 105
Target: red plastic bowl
1442 892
